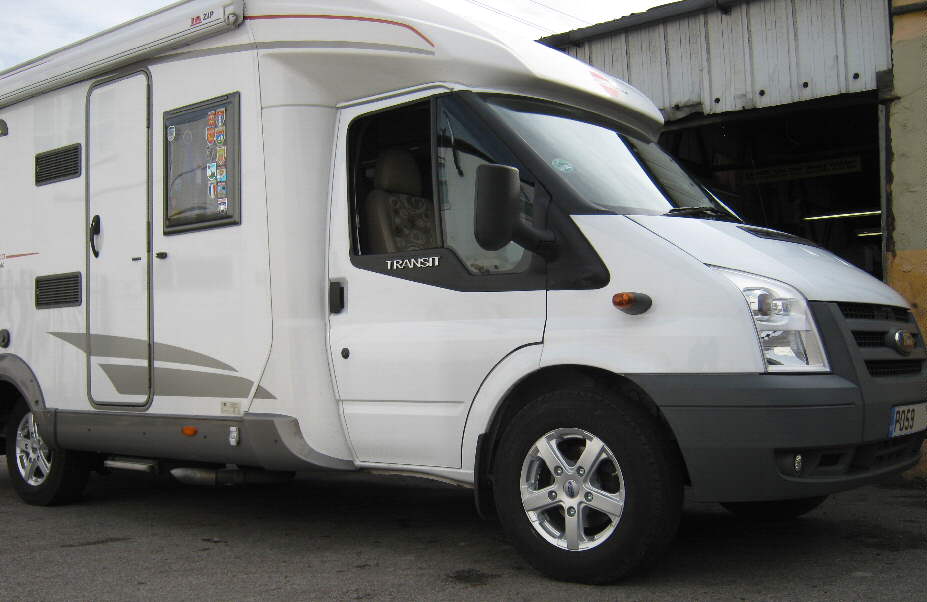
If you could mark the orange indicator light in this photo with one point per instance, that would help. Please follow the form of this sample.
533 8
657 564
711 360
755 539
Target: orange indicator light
632 303
189 431
623 300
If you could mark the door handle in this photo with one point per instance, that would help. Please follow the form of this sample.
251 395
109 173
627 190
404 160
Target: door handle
335 297
95 229
161 254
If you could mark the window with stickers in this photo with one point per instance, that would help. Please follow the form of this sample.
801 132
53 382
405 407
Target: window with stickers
413 183
202 176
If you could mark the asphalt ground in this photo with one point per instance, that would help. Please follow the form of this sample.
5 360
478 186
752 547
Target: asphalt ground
360 537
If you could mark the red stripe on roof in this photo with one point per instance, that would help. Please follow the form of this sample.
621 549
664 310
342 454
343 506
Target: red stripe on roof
345 18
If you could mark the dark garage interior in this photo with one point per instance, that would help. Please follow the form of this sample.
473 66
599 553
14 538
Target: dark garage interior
807 169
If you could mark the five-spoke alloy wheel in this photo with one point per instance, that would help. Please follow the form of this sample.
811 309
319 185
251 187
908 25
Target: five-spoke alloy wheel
33 457
41 475
572 489
587 484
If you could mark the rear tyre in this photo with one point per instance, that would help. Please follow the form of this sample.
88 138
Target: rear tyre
780 510
588 486
40 475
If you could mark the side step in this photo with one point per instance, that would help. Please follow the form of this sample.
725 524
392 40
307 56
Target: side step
211 477
133 464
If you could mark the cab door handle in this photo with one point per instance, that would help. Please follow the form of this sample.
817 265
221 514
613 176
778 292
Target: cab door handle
335 297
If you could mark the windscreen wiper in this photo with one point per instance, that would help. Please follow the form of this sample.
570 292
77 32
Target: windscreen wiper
701 212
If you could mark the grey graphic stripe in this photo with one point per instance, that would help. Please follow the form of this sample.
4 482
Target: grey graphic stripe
104 345
174 382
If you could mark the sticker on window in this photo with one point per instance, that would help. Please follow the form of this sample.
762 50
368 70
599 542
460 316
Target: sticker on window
562 165
201 169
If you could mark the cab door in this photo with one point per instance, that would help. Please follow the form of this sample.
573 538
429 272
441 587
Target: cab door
118 240
420 313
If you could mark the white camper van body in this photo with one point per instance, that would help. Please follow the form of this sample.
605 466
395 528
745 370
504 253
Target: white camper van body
284 348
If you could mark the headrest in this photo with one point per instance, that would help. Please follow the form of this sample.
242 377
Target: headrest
397 171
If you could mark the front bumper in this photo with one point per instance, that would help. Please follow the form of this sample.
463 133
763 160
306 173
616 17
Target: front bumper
739 433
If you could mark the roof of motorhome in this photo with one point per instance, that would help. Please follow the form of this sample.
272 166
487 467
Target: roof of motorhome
369 47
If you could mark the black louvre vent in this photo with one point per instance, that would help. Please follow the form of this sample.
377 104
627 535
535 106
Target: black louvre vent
894 367
58 290
869 339
864 311
57 165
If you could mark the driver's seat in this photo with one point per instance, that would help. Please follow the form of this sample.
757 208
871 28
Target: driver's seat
397 217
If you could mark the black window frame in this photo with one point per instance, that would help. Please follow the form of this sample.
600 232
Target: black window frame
450 271
232 104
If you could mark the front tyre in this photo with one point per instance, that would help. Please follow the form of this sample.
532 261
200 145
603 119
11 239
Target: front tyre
41 475
588 486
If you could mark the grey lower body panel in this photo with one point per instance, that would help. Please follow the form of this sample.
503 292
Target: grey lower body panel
739 434
265 440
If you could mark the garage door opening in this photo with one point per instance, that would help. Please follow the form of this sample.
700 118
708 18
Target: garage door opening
810 169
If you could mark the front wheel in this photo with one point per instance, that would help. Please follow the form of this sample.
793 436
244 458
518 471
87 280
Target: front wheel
588 486
41 475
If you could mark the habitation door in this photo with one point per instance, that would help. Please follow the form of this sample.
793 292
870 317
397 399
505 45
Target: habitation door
118 227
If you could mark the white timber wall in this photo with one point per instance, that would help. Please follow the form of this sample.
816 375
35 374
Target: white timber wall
763 53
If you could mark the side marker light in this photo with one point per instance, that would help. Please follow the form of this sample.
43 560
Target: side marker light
632 303
189 431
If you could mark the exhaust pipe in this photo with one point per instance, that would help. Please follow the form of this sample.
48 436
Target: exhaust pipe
211 477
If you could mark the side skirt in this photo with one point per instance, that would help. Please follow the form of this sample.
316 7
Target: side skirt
267 441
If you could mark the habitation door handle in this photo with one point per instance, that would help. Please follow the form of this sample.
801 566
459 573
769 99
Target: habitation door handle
95 229
161 254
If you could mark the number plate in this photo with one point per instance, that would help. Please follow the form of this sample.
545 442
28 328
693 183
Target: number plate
908 419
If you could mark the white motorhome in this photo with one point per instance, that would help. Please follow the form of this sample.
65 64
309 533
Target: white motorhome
243 239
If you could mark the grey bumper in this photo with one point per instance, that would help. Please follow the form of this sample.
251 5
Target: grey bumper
739 433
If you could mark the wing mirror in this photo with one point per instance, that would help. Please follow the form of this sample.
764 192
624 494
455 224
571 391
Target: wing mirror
496 220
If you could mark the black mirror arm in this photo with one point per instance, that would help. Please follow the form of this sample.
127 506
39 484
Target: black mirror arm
541 242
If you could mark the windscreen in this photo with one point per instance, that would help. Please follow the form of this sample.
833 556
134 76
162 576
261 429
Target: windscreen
609 169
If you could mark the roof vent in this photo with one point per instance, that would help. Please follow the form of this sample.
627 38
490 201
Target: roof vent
57 165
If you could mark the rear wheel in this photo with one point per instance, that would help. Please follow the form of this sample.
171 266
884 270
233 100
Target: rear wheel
40 475
587 485
773 511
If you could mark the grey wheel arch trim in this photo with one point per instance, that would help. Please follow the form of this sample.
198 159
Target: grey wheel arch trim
17 372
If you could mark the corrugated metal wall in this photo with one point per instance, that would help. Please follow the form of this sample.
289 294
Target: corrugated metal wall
763 53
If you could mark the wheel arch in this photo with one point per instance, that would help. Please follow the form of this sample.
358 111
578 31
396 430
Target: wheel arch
539 381
17 381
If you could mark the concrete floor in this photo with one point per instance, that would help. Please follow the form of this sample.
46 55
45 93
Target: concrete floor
356 537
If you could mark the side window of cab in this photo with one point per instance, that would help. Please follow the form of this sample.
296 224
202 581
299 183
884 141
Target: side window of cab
413 182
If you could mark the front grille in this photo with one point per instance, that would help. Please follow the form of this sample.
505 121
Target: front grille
894 367
865 338
873 328
865 311
58 290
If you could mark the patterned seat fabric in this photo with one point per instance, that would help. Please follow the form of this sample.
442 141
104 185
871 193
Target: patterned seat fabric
412 222
398 218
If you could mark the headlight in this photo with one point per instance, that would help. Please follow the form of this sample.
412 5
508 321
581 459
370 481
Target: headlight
788 337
